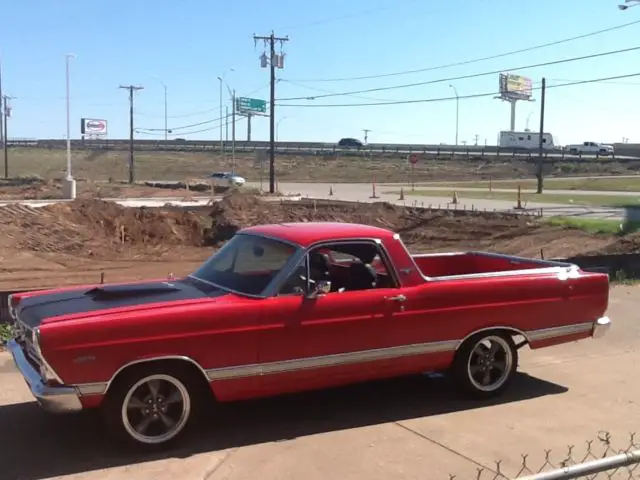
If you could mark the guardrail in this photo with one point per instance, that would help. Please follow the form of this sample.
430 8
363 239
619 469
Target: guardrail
319 148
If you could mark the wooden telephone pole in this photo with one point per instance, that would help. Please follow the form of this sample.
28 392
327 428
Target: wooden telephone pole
131 88
274 61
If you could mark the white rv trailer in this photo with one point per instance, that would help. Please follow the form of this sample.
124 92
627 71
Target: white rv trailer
525 140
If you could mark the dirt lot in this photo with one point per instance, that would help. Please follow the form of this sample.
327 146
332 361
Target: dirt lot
102 165
75 242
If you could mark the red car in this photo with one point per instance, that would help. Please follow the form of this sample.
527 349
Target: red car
290 307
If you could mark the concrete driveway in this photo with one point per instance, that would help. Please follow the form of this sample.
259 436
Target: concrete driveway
416 428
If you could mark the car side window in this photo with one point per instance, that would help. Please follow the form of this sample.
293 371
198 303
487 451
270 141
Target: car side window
351 266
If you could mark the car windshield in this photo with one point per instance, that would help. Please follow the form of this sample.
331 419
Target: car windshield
246 264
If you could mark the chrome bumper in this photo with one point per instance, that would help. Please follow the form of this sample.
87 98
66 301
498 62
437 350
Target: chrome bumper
52 399
600 327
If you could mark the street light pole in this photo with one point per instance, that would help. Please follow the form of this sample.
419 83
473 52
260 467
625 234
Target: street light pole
166 128
226 117
457 111
221 140
70 182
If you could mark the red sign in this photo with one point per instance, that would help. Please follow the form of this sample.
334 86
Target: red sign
413 158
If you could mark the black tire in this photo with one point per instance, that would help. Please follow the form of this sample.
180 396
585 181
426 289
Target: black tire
468 364
170 382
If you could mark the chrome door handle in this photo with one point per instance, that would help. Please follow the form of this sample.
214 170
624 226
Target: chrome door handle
397 298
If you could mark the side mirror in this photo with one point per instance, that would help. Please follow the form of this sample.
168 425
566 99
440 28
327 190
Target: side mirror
321 287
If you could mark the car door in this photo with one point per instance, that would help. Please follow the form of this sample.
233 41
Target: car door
328 340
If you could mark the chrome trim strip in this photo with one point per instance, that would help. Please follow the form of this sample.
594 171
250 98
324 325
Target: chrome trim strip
513 331
547 333
147 360
363 356
285 366
87 389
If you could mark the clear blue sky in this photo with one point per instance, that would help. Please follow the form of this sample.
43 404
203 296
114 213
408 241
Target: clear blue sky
188 44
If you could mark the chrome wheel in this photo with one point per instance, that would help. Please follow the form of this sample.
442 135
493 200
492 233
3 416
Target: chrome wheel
489 364
155 409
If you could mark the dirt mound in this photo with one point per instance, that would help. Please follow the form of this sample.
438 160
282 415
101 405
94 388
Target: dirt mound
95 227
623 244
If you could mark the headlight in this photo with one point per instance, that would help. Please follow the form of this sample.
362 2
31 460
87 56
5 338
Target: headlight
48 374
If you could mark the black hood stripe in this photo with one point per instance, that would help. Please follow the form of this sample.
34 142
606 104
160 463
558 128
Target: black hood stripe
34 309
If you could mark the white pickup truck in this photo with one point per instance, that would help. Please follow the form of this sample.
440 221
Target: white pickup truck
590 148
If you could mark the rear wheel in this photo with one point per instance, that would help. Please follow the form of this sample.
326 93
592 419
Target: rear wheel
152 406
485 364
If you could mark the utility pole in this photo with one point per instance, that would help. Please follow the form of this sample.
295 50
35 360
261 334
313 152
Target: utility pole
274 61
233 132
131 88
476 138
539 174
455 90
70 183
366 135
226 124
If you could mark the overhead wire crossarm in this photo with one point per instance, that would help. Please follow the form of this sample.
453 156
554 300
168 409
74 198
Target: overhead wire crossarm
464 77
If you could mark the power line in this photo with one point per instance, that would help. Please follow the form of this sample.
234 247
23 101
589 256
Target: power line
329 91
461 97
182 127
475 60
464 77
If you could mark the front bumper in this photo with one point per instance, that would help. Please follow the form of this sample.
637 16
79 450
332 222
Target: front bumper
61 399
600 327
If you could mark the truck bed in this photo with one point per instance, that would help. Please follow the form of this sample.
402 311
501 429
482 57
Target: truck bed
481 264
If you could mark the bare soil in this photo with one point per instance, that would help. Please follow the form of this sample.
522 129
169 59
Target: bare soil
75 242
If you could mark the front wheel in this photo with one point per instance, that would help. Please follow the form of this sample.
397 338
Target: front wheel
151 407
485 364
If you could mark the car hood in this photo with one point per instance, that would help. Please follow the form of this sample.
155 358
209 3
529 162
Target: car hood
34 309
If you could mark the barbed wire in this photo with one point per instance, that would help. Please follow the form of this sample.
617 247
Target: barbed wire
566 465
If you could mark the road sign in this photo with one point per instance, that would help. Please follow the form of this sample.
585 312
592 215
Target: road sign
413 158
250 105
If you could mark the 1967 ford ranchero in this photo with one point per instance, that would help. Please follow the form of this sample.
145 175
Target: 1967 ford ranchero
290 307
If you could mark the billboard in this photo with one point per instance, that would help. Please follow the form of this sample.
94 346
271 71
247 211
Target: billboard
515 87
93 126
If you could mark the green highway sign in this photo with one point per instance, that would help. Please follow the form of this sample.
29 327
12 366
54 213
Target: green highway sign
251 105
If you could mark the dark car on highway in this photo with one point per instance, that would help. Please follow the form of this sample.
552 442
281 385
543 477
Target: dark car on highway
349 142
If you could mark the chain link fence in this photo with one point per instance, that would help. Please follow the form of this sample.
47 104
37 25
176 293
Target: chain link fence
597 459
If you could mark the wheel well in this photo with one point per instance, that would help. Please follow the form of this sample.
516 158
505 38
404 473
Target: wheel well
518 337
186 365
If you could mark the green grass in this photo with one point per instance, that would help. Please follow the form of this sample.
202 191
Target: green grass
590 225
5 333
587 184
587 200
